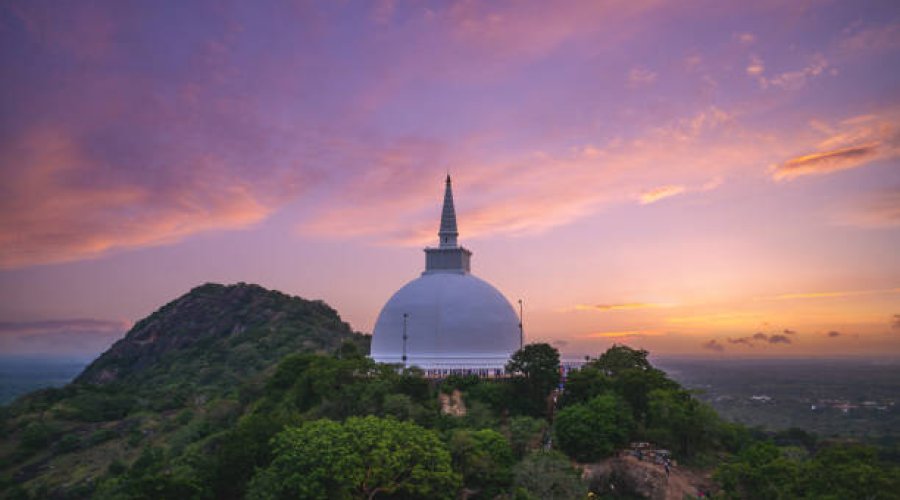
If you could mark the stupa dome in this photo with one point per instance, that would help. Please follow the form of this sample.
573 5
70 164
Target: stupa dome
452 320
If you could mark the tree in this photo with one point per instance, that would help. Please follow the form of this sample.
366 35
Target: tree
849 471
679 421
536 367
619 358
584 384
241 450
360 458
628 372
594 430
760 471
525 434
484 458
547 476
839 471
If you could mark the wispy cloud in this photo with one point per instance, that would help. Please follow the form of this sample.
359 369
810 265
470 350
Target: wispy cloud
870 38
624 333
659 193
795 80
745 38
825 162
852 143
78 337
879 209
615 307
831 294
641 76
755 67
531 192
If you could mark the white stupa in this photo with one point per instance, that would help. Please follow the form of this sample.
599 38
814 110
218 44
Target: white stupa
452 320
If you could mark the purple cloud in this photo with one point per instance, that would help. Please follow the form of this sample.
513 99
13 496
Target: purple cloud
779 339
713 345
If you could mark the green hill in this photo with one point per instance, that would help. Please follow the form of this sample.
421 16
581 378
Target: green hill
175 377
216 336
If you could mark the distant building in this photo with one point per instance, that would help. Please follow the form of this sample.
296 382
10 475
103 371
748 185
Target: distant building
447 320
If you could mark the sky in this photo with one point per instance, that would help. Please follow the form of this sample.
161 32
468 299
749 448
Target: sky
700 178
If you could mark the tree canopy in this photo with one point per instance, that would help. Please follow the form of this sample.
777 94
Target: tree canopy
594 430
360 458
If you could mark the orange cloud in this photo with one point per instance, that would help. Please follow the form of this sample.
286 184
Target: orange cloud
853 143
755 67
656 194
827 161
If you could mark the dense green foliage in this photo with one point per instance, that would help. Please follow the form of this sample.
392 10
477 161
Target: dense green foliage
764 470
642 404
595 429
360 458
485 460
547 476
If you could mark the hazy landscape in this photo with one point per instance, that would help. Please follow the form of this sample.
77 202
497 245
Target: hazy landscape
21 375
829 397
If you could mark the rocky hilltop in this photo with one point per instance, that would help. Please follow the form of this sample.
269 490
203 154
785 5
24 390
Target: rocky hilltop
217 334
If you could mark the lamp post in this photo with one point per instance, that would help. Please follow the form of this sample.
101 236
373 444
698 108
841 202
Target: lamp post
521 326
405 315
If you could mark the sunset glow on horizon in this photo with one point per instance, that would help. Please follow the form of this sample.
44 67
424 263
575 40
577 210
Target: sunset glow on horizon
705 178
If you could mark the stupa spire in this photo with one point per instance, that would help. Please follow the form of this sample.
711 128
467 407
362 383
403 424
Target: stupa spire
447 234
448 257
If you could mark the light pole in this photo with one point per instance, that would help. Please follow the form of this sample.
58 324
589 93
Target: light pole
404 338
521 326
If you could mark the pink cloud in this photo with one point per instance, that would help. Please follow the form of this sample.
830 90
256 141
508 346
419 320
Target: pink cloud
49 215
523 192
